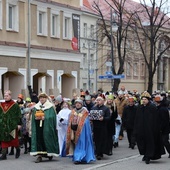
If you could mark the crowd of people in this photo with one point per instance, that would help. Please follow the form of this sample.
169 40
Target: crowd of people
86 127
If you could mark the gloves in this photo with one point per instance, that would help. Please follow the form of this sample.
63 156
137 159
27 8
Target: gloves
118 122
61 119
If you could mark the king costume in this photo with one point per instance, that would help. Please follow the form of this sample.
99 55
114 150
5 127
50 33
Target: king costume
10 118
44 141
79 143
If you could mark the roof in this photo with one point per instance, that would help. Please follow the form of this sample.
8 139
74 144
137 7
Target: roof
130 6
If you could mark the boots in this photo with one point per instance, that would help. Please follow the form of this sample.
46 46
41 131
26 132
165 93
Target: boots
116 144
17 155
12 151
3 157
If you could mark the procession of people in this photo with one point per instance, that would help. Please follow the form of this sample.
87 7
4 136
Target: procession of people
86 127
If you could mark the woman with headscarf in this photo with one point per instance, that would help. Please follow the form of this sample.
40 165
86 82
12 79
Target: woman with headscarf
62 123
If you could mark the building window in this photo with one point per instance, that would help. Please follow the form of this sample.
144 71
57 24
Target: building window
41 21
55 24
84 86
92 31
12 15
128 70
91 59
84 61
142 69
67 26
135 69
162 45
66 29
85 30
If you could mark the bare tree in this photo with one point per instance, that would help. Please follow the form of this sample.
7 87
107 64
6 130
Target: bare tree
153 24
123 21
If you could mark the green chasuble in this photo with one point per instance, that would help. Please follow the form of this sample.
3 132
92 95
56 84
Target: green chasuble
10 118
44 135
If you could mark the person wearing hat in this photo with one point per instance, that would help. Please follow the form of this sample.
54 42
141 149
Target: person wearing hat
62 123
20 99
147 130
100 115
73 100
111 123
20 102
10 124
79 142
88 103
27 124
164 121
44 139
58 103
121 102
34 97
128 119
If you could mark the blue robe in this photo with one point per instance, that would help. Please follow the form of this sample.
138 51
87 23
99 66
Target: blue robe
84 149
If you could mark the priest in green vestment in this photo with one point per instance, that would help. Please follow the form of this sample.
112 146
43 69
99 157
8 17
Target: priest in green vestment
44 135
10 124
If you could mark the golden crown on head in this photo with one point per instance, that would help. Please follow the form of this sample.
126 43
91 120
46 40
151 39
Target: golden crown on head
145 94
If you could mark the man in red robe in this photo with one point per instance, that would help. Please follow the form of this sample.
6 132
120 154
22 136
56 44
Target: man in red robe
10 124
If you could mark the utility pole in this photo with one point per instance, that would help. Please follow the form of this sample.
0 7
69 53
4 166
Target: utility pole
111 43
28 50
89 82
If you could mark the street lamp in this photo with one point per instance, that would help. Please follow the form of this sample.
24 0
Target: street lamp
28 50
113 27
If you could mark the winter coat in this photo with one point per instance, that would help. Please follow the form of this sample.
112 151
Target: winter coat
147 131
120 104
164 119
128 118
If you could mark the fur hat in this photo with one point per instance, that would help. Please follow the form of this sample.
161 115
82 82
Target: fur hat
43 95
146 95
78 100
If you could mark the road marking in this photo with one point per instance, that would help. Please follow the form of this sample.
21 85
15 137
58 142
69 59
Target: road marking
113 162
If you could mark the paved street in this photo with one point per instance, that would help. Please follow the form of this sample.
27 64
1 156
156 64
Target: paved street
123 158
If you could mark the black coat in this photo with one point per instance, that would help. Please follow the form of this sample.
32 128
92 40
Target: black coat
164 119
88 106
100 132
128 117
147 131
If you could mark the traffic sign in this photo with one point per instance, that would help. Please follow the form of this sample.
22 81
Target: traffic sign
108 72
101 77
118 76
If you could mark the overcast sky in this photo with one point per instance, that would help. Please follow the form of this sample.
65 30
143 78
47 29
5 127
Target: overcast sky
167 4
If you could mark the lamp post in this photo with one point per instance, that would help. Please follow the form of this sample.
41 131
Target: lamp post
28 50
89 83
113 27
